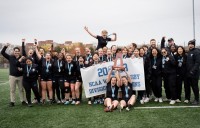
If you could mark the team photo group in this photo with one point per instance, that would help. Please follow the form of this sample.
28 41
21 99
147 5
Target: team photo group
57 77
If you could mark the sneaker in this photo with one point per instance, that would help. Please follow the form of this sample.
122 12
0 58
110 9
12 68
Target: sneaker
106 109
101 102
166 99
34 101
172 102
59 102
178 101
89 102
127 109
63 101
73 102
77 102
142 101
66 103
146 100
186 101
95 102
160 100
24 103
156 99
11 104
30 105
195 102
120 108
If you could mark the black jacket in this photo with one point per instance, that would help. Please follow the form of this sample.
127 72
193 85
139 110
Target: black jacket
169 67
180 65
156 69
193 62
13 70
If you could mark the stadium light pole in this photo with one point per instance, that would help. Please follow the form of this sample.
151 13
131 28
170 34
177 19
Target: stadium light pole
193 19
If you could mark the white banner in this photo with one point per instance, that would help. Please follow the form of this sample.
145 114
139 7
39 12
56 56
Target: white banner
94 77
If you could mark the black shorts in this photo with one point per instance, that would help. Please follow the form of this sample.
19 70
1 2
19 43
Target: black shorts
46 78
71 79
79 79
112 98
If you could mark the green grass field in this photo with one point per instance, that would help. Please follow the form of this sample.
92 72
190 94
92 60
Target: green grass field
83 116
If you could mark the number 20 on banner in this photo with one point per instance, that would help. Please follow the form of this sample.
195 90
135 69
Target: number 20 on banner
104 71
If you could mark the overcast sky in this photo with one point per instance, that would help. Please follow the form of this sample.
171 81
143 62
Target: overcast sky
133 20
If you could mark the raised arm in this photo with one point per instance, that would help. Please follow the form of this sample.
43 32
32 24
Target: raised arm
3 51
163 42
118 78
109 76
23 48
128 77
37 52
86 29
115 38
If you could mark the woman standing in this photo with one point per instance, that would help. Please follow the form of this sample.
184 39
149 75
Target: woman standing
156 71
58 77
78 84
30 75
181 70
46 75
169 75
70 79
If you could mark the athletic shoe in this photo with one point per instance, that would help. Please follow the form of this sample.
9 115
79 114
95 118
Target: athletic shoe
119 107
178 101
34 101
142 101
156 99
30 105
106 109
127 109
11 104
73 102
160 100
78 102
172 102
66 102
195 102
89 102
146 100
95 102
59 102
166 99
24 103
63 101
186 101
101 101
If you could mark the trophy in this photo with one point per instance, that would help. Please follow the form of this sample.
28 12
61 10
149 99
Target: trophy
120 57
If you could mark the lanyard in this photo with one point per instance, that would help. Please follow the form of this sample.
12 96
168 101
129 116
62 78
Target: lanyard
124 56
70 68
59 65
154 61
109 59
88 57
113 92
126 90
28 70
47 65
180 61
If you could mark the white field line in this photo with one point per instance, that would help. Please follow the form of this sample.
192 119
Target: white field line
161 107
4 83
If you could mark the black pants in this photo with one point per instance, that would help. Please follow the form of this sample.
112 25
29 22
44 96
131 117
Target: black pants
28 85
58 87
170 85
192 82
148 87
157 85
180 79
